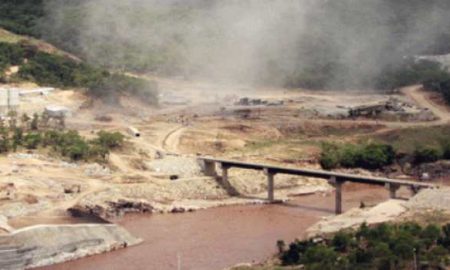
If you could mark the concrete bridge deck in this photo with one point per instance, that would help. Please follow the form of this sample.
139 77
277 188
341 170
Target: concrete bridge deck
336 179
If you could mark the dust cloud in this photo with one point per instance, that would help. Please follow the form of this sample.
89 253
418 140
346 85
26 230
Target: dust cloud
343 43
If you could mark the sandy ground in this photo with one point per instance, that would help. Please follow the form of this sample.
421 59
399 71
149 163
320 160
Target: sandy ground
43 187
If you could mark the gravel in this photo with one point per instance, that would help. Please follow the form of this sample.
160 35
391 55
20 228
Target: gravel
437 199
174 165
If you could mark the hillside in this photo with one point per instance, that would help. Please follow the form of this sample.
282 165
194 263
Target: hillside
226 125
40 62
355 45
21 16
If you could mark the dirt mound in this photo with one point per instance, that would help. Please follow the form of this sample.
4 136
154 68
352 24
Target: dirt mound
353 218
434 199
50 244
111 209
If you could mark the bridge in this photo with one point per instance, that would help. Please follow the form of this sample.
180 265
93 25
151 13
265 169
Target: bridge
209 166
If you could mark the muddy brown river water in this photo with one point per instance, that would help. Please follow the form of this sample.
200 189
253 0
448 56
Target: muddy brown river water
220 237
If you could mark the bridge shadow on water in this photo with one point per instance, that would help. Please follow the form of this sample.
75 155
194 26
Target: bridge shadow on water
308 207
292 204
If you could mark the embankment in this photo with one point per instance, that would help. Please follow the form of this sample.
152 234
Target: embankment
49 244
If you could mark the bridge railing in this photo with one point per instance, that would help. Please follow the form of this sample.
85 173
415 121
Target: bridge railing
335 179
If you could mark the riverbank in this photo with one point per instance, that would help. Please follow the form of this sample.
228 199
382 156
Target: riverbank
42 245
220 237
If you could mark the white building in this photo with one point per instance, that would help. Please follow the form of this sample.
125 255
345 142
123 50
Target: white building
56 111
37 91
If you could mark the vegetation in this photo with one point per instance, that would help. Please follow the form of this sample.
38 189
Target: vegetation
441 85
68 144
369 156
374 156
386 246
427 154
408 140
21 16
10 55
59 71
431 74
320 59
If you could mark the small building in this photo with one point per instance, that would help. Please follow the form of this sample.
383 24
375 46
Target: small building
134 132
56 111
37 91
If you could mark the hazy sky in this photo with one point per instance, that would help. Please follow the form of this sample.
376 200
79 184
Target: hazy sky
244 40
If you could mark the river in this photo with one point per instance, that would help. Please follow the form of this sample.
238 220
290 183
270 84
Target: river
220 237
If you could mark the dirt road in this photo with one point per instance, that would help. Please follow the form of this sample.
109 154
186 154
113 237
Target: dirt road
172 139
421 98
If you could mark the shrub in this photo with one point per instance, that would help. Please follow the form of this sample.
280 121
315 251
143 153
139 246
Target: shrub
35 122
437 257
409 72
329 158
350 156
32 140
60 71
10 55
445 150
97 151
292 255
376 156
386 246
4 141
440 85
110 140
430 235
368 156
21 16
361 256
48 69
426 155
320 255
77 151
342 241
68 144
51 138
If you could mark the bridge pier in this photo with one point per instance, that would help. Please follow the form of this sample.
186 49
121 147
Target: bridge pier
209 168
335 179
225 183
414 190
224 180
338 194
270 185
392 190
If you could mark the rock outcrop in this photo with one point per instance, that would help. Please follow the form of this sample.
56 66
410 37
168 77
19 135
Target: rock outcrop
112 209
383 212
50 244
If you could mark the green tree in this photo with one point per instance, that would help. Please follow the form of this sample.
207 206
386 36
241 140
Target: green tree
12 115
25 119
281 245
320 257
97 151
17 138
430 235
437 257
79 150
445 149
329 158
110 140
35 122
32 140
4 141
426 155
342 241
